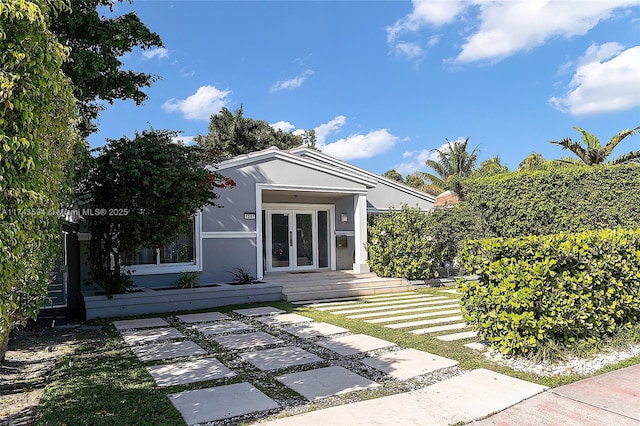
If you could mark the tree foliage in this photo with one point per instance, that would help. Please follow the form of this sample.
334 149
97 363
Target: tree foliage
37 139
232 134
97 45
590 151
490 167
144 191
454 163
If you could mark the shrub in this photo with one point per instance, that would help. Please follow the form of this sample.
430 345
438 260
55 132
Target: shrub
569 289
188 280
241 276
400 245
563 199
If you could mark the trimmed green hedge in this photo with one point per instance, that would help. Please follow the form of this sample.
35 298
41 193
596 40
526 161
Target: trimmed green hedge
564 199
400 245
562 289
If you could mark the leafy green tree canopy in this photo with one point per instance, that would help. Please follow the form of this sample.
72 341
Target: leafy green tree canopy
37 139
590 151
393 175
144 191
232 134
97 44
454 162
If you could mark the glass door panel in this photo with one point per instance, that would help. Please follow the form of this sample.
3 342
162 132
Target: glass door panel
304 239
280 240
323 239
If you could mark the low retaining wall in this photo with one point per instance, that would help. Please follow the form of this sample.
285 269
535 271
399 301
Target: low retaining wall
149 301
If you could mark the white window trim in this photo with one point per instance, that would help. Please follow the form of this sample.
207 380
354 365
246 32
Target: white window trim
175 268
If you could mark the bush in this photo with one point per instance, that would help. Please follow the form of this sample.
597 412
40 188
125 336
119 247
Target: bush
567 289
400 245
188 280
242 276
564 199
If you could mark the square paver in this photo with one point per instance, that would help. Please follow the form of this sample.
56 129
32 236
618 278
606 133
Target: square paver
277 358
140 323
314 329
150 335
248 340
182 373
167 350
457 336
408 363
203 317
222 327
476 346
256 312
324 382
220 402
283 319
354 344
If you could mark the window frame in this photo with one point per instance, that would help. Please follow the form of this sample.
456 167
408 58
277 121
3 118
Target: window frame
175 268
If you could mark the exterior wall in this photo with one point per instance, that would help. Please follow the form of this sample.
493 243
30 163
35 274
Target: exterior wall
384 197
221 255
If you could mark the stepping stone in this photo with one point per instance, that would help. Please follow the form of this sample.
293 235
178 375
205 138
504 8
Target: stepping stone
451 291
204 317
314 329
167 350
362 309
220 402
277 358
283 319
140 323
182 373
440 328
426 322
351 299
476 346
138 337
248 340
457 336
413 316
408 363
354 344
211 329
324 382
404 311
256 312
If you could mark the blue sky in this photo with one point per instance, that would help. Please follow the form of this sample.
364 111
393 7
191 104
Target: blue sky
383 83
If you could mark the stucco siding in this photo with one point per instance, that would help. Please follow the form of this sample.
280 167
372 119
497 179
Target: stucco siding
221 255
384 197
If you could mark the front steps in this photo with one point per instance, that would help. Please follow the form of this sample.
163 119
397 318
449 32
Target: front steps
311 286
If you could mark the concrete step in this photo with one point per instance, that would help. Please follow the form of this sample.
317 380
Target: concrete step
339 285
316 295
346 301
298 277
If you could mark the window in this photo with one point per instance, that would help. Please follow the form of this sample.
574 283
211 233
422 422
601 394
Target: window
179 255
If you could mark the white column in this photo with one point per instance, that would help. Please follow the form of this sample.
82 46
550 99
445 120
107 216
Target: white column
360 227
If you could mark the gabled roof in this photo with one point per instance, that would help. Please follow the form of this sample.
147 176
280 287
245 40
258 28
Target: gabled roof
349 173
324 158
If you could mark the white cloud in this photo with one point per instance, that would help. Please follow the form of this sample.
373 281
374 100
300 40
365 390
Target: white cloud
156 52
606 80
373 143
186 140
285 126
324 130
410 50
419 158
504 28
201 105
293 83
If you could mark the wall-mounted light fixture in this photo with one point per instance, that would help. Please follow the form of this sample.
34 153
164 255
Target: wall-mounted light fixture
344 218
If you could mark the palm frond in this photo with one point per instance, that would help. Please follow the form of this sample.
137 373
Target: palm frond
631 157
610 146
575 147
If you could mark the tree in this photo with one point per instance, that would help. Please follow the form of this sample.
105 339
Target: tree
37 140
453 163
490 167
232 134
393 175
144 191
97 43
590 151
533 161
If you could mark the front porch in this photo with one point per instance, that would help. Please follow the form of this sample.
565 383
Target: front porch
325 285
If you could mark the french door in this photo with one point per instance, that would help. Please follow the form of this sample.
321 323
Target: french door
292 240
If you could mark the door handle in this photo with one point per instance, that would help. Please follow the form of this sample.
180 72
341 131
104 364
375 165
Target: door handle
290 239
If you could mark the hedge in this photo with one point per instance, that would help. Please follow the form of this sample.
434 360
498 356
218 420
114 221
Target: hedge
564 199
561 289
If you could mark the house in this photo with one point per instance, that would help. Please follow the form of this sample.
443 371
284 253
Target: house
446 199
291 210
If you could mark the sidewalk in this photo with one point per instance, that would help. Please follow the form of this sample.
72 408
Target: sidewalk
609 399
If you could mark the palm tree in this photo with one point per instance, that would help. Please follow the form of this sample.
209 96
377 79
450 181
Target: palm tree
590 151
454 162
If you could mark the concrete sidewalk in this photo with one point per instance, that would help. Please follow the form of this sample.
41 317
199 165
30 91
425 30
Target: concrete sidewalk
609 399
